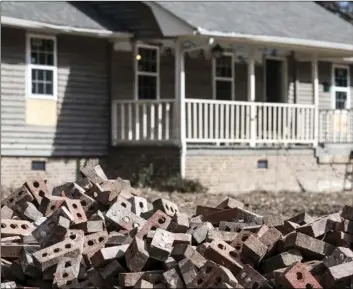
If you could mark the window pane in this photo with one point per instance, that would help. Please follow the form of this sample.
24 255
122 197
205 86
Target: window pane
147 87
224 66
42 51
147 60
42 82
341 100
341 77
223 90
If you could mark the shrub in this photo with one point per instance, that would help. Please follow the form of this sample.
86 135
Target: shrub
148 177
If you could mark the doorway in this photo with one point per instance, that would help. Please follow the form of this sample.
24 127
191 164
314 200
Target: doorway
274 80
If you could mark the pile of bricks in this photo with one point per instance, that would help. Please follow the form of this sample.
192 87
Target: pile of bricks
101 233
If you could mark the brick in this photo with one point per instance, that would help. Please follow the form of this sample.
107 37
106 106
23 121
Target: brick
339 239
223 235
298 276
204 210
339 273
161 245
109 271
115 239
199 231
320 226
250 278
233 226
103 256
165 206
253 249
15 228
94 173
182 251
130 279
139 205
136 255
339 256
222 253
142 284
273 221
92 244
6 212
76 210
179 223
37 187
345 226
123 218
282 260
124 202
28 211
50 203
66 272
173 279
302 219
308 246
187 271
19 195
157 220
13 250
270 238
230 203
347 212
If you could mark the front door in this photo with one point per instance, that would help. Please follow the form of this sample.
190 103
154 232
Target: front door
274 80
341 103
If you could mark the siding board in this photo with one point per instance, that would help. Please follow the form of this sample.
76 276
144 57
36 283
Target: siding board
83 100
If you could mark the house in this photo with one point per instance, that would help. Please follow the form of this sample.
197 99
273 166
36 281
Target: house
240 95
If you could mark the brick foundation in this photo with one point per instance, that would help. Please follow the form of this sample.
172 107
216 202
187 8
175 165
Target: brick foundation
237 172
15 170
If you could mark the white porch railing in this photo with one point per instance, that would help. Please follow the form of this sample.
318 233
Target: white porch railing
336 126
142 120
209 121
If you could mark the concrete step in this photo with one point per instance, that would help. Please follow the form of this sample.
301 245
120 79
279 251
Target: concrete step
334 154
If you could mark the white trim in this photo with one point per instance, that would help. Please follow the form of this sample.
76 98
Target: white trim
221 78
16 22
337 88
145 73
284 78
30 66
293 42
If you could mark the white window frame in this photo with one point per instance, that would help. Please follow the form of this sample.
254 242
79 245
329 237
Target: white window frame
340 89
143 73
31 66
216 78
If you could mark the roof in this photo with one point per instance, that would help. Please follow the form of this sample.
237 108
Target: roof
301 20
57 13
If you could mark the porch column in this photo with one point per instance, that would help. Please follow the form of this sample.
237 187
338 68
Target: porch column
179 124
251 95
315 83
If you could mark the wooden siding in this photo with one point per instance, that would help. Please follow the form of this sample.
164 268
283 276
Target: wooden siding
83 102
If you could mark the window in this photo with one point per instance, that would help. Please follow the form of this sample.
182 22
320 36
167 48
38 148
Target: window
341 87
147 72
223 77
41 65
38 165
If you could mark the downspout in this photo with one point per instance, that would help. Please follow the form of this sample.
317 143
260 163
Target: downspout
109 53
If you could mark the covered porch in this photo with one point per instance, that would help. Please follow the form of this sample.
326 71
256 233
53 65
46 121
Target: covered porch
254 97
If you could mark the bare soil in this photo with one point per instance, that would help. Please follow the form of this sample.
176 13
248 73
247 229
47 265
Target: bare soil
286 204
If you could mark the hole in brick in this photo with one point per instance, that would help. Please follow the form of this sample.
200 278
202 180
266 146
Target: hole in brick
57 250
69 282
218 280
100 239
238 230
36 184
11 200
68 246
244 238
41 193
65 275
238 247
3 225
153 228
299 275
52 208
144 237
227 229
167 207
67 264
79 215
123 204
141 205
309 286
221 246
74 206
233 254
199 281
255 285
73 236
83 203
161 220
208 269
44 254
90 243
24 226
172 210
13 226
20 193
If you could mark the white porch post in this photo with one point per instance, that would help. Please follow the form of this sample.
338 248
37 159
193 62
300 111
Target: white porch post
179 124
315 83
251 95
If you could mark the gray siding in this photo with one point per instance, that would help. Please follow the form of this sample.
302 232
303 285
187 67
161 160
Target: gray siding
83 101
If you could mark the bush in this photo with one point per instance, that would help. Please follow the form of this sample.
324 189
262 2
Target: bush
147 177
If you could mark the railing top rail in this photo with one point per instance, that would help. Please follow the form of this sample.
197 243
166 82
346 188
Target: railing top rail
247 103
142 101
335 110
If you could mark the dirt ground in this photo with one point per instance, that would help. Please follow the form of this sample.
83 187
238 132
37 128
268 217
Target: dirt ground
264 203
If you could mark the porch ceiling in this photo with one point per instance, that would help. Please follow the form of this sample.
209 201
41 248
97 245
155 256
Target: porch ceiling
300 25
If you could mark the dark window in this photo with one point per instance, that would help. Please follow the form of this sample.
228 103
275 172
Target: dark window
262 164
341 100
224 90
224 66
341 77
147 72
38 165
42 81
